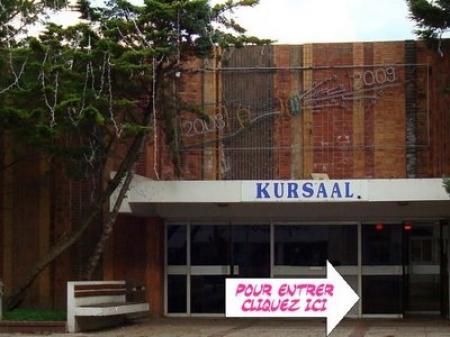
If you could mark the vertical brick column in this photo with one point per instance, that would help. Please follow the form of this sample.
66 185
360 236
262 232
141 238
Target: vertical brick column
307 114
358 119
190 87
154 271
282 85
369 121
424 161
7 235
447 299
332 129
389 115
61 223
43 223
25 225
296 60
2 200
210 104
410 108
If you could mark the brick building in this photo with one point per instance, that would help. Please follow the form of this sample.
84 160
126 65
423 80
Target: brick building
311 152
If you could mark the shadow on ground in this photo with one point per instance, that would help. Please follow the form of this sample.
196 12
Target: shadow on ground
184 327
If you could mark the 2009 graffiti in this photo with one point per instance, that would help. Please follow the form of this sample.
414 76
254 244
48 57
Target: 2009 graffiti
378 76
365 85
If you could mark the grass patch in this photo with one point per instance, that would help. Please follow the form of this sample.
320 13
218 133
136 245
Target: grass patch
34 315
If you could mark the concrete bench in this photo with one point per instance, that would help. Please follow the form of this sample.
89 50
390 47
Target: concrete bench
97 304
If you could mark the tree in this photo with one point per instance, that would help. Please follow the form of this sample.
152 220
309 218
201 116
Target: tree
17 15
76 94
432 19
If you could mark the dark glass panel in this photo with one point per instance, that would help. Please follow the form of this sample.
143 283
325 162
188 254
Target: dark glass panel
210 245
208 294
424 274
424 293
176 245
251 250
382 294
313 245
381 245
176 294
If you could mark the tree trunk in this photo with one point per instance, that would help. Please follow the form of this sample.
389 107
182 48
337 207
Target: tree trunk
69 240
107 231
60 247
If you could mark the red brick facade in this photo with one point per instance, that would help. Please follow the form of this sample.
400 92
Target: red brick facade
393 124
353 138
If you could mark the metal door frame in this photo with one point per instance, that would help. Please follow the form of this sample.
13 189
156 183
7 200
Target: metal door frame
359 270
422 269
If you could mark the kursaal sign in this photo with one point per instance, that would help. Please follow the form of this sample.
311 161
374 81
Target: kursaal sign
331 298
304 190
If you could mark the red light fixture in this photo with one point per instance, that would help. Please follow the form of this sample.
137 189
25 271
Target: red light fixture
379 227
407 227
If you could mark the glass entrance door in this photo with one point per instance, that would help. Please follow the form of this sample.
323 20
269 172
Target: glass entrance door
212 252
382 269
251 251
209 266
301 251
423 268
221 251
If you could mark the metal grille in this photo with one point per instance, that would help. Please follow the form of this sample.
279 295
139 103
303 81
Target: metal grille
248 101
269 119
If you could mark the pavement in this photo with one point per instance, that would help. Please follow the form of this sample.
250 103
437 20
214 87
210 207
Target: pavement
207 327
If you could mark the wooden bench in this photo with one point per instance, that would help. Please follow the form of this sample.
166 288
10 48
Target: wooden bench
97 304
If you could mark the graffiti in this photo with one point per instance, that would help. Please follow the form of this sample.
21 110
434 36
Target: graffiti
243 116
230 120
218 122
334 91
198 126
225 166
370 78
365 85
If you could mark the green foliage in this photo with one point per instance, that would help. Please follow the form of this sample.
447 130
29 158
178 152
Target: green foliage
17 15
24 314
446 184
78 94
432 19
74 92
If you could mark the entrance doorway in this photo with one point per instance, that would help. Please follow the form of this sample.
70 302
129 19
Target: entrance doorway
213 252
396 268
423 291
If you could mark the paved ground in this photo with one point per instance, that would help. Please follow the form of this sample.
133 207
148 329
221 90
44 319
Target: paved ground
271 328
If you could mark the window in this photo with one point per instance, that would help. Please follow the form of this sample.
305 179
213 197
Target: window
312 245
176 245
381 245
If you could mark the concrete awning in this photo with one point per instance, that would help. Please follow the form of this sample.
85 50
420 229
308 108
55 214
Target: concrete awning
307 200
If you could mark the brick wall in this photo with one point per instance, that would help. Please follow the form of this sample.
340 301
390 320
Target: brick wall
394 118
269 119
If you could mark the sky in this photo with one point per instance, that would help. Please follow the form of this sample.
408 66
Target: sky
304 21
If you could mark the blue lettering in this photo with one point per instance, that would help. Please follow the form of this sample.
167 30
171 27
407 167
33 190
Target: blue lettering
336 190
307 190
278 194
322 192
261 192
292 190
348 193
